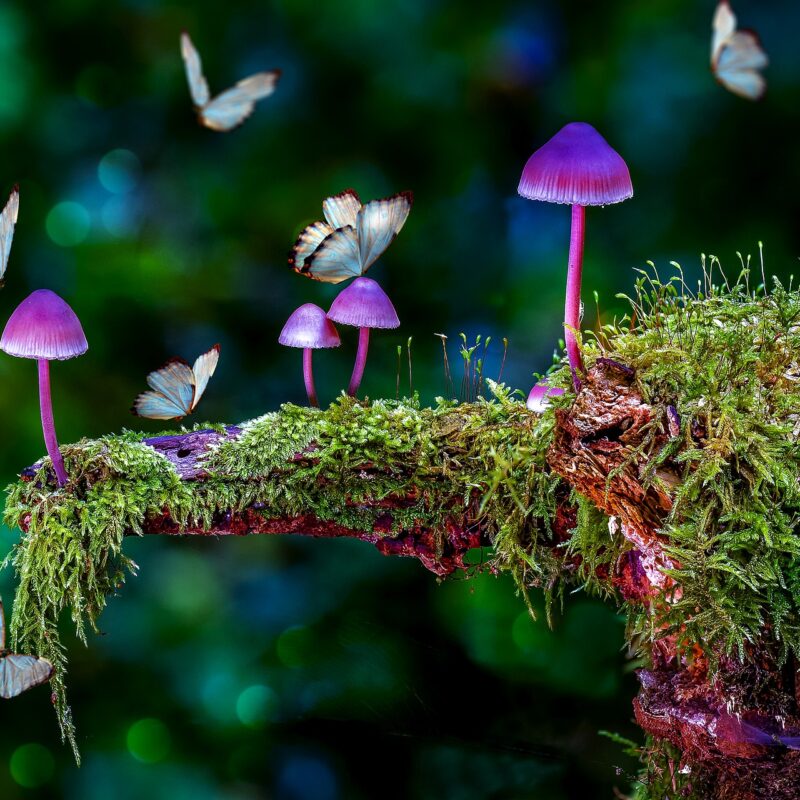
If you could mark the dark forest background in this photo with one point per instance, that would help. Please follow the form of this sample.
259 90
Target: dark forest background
318 670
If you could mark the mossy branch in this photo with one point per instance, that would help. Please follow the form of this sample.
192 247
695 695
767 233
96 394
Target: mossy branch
670 484
432 483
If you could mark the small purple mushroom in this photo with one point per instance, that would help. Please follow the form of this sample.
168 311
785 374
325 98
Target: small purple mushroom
539 398
365 305
309 328
579 168
45 328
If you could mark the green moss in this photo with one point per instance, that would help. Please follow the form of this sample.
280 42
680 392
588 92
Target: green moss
486 457
726 359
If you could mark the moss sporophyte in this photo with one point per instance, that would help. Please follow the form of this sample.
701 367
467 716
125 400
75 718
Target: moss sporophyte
719 370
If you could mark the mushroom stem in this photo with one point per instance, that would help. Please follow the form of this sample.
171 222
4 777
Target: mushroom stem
361 361
572 308
48 425
308 377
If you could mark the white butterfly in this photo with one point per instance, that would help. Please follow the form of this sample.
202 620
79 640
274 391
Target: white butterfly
737 56
8 219
19 673
233 106
176 387
352 237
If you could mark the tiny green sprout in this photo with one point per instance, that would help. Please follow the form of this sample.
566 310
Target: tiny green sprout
399 361
410 375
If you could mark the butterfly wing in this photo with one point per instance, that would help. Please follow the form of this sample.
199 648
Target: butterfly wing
234 106
738 63
198 87
20 673
173 392
341 210
8 219
379 221
307 242
203 369
336 259
723 26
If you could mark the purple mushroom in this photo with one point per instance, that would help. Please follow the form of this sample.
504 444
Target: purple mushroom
579 168
309 328
539 397
44 327
365 305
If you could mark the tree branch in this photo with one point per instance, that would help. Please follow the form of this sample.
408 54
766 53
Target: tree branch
433 484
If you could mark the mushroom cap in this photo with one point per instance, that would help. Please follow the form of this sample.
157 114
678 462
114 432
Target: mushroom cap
577 166
309 327
538 399
364 304
44 326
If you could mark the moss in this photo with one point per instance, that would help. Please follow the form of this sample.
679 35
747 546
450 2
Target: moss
725 358
485 457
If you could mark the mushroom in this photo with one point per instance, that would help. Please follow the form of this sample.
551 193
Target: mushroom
308 327
365 305
577 167
538 399
44 327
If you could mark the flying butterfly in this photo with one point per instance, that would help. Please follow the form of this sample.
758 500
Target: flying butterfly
351 238
176 387
233 106
737 56
19 673
8 219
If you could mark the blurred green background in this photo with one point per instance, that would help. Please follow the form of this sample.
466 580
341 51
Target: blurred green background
316 670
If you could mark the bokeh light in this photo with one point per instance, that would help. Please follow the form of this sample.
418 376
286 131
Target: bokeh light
256 706
118 171
306 777
148 740
68 223
31 765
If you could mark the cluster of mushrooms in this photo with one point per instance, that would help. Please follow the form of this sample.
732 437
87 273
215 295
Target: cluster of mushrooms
362 304
576 167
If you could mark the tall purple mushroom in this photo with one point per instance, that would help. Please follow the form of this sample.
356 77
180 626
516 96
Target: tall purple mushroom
309 327
45 328
579 168
365 305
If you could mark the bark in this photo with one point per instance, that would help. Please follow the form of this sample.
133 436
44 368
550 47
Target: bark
602 447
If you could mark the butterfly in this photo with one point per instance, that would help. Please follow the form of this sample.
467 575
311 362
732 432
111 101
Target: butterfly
737 56
19 673
8 219
233 106
352 237
176 387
